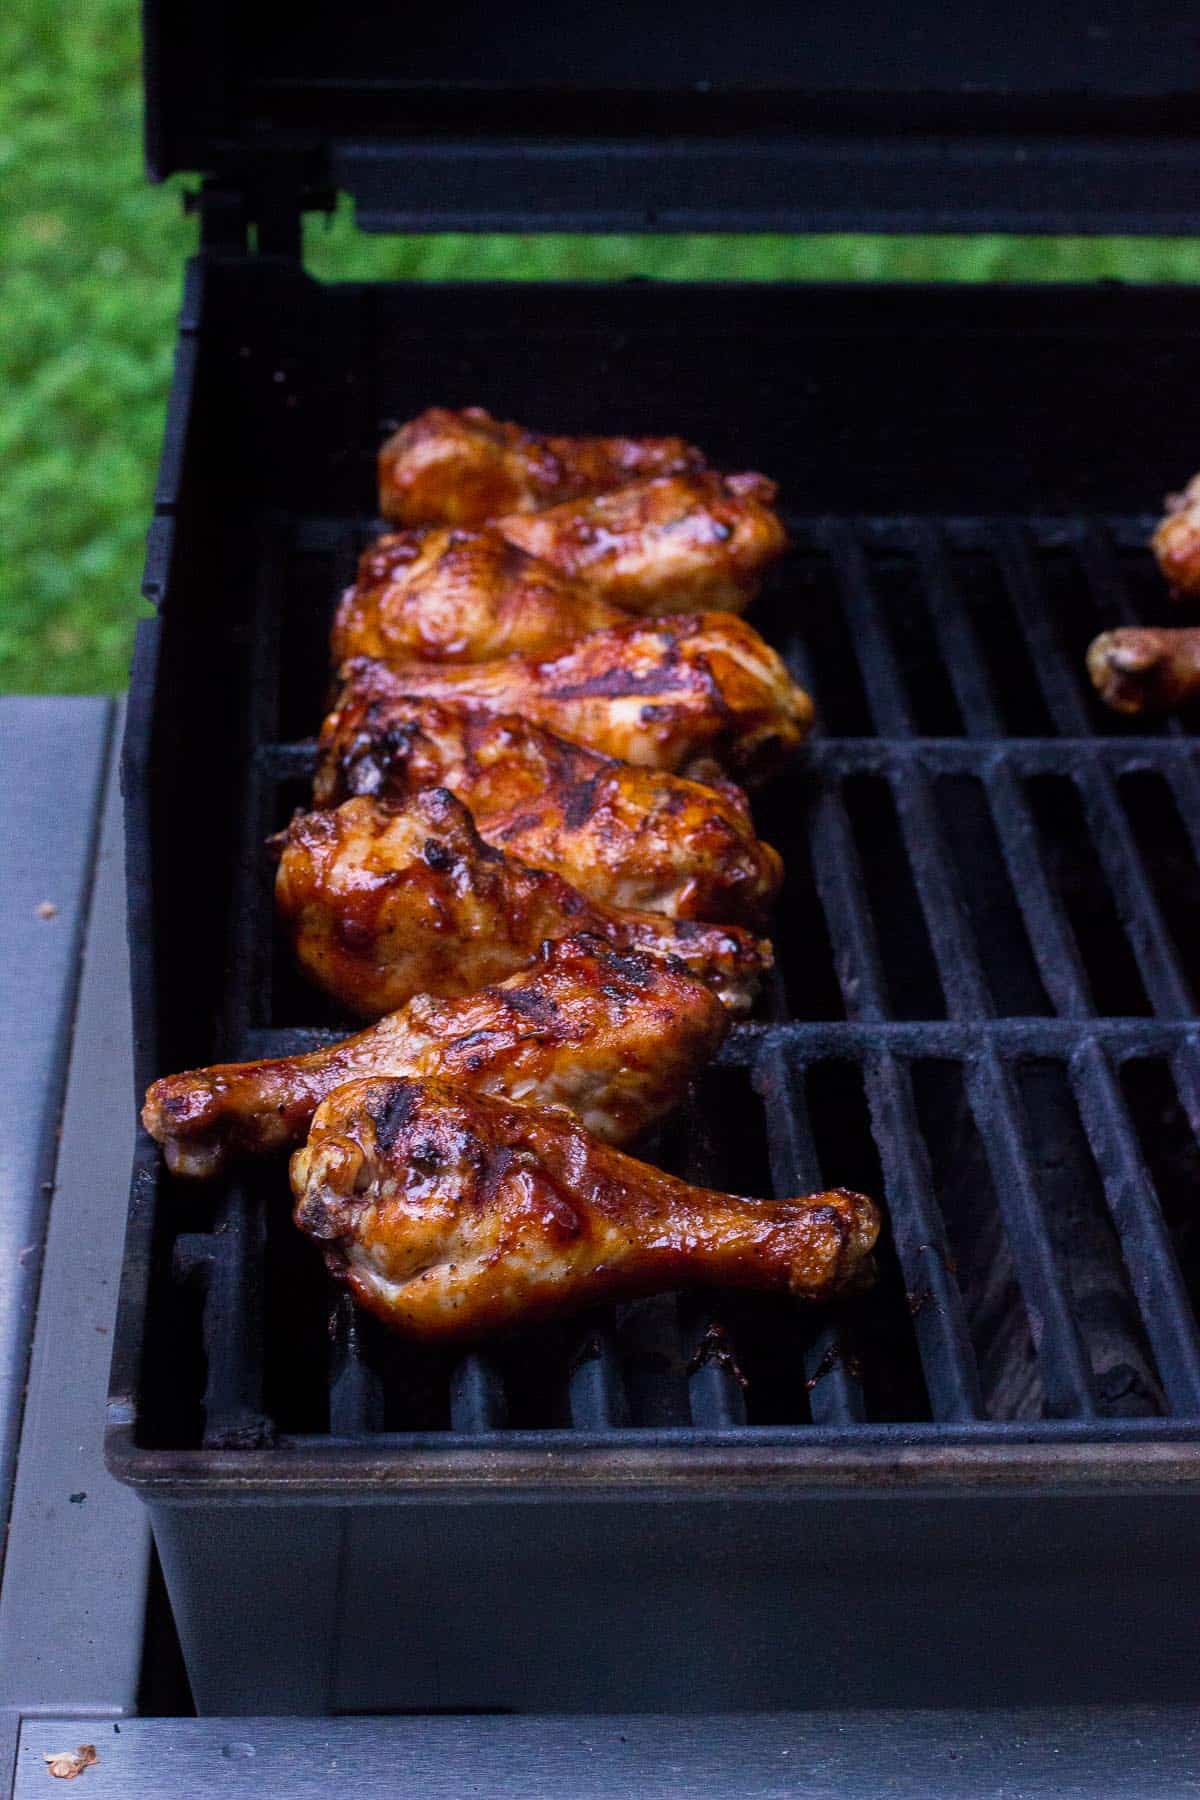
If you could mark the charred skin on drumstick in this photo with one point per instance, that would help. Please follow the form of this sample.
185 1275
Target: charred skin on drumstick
462 468
632 838
614 1035
662 694
455 596
384 902
452 1215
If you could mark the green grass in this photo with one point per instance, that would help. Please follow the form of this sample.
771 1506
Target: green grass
92 259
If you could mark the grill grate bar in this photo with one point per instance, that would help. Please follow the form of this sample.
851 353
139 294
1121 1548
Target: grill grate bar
1066 1375
1185 1066
233 1389
1050 935
835 1395
1145 1241
939 1321
477 1398
882 680
774 999
716 1399
1030 756
716 1396
1057 678
356 1401
1185 785
799 664
1023 1036
294 759
837 874
596 1393
1185 1071
1136 901
1104 578
959 970
955 635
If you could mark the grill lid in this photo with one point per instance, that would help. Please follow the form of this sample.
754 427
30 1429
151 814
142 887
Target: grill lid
1080 115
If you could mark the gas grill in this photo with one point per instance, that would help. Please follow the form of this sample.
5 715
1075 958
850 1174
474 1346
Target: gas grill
982 1012
977 1482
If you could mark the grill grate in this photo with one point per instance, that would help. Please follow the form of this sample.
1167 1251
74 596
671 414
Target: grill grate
982 1010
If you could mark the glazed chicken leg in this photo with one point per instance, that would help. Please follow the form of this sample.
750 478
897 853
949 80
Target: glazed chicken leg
683 543
1176 543
461 597
384 902
1146 669
460 468
633 838
614 1035
451 1215
693 686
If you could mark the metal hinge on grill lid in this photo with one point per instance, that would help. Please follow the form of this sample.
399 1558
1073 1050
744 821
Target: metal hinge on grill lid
262 213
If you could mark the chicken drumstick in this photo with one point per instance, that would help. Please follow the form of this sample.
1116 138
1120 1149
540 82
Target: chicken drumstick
1176 543
614 1035
634 838
461 597
460 468
681 543
1146 669
452 1214
661 694
384 902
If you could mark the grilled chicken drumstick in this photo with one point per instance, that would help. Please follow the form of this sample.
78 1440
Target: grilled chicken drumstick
461 597
384 902
662 695
1176 543
460 468
451 1215
1146 669
633 838
683 543
614 1035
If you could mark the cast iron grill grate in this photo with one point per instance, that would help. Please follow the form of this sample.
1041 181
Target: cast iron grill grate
982 1011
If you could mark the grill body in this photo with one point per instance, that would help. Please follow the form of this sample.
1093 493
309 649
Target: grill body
979 1482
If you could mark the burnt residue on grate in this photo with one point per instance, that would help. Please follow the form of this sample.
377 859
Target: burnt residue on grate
981 1013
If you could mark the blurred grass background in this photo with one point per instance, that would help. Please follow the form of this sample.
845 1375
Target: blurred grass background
91 260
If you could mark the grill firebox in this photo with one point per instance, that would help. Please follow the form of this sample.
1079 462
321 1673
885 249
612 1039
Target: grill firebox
982 1012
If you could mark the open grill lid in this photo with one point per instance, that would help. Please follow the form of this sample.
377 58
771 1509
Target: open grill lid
1075 116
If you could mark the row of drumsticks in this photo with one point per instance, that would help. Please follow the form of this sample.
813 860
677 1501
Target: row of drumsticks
530 866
